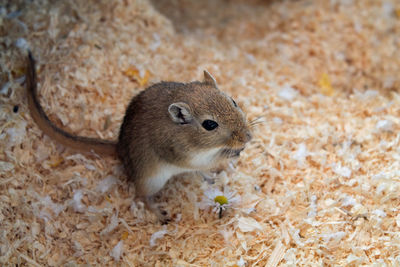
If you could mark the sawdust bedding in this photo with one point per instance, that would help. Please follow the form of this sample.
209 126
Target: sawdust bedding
318 185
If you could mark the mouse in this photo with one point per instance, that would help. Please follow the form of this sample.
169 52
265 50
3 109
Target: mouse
168 128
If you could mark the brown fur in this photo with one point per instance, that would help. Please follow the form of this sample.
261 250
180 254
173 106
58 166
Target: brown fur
151 141
148 135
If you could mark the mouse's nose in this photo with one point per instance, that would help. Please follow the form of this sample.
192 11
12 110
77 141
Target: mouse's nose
237 151
248 136
242 136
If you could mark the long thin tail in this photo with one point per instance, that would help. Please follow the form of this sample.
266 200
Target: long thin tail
85 144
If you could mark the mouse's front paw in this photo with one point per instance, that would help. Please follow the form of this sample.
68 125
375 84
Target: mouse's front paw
208 177
161 214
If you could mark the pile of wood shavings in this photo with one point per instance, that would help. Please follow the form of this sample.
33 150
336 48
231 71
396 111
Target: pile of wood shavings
318 184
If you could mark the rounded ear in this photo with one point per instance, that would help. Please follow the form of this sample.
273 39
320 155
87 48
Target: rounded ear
180 113
208 78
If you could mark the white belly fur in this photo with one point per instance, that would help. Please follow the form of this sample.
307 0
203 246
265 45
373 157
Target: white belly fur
199 161
204 159
165 172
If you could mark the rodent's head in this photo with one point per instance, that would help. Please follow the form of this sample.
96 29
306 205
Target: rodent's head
211 120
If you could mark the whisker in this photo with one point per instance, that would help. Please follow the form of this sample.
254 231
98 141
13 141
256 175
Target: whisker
257 122
256 119
254 124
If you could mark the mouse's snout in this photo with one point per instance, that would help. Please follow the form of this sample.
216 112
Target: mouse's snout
231 153
245 136
237 152
248 136
240 138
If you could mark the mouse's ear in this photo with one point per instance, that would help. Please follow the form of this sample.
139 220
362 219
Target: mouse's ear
208 78
180 113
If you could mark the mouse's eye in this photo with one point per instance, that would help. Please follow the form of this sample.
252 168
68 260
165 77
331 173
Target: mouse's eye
209 125
234 103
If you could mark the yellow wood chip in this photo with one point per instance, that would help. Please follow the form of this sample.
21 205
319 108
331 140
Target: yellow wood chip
325 85
108 199
134 74
124 235
55 161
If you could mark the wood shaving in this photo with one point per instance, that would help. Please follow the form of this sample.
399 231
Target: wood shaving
319 182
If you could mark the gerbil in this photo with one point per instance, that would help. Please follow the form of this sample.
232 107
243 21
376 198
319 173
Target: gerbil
169 128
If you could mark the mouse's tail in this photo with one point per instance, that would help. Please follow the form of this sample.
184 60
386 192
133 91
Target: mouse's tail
101 147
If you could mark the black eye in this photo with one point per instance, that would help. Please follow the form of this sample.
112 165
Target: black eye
209 125
234 103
